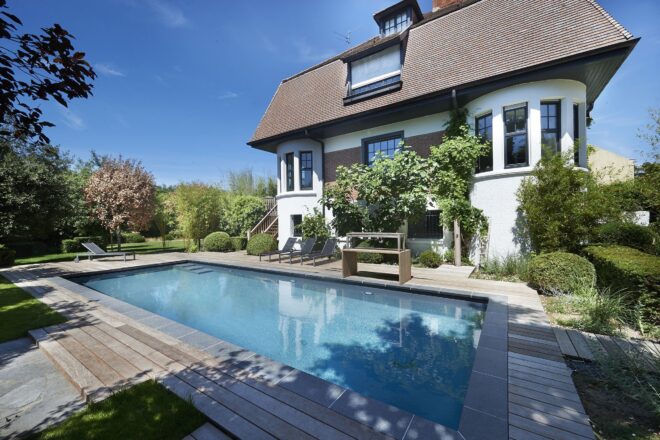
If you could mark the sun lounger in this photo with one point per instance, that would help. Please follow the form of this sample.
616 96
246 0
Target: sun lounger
96 252
286 249
328 252
306 247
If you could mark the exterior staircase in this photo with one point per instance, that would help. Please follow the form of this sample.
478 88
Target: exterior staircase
268 224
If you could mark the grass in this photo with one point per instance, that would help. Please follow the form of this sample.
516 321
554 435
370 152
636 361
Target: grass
513 268
145 411
148 247
20 312
621 398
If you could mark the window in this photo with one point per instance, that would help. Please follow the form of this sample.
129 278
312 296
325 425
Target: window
515 136
551 125
428 226
375 71
289 171
576 133
396 22
296 222
483 127
305 170
386 145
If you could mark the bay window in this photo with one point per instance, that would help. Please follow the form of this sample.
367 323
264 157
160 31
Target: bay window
515 136
305 170
288 159
551 125
483 128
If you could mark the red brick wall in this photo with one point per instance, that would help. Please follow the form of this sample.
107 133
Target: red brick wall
422 143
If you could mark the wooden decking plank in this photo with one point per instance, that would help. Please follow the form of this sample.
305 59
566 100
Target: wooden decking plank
562 385
564 342
516 433
533 361
546 408
219 414
544 430
256 415
166 349
580 343
539 372
650 362
610 346
208 432
534 340
542 388
93 363
577 428
546 398
117 363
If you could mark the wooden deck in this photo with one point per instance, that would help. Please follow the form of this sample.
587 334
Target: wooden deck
102 350
586 346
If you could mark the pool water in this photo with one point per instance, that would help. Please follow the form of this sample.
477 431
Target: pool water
411 351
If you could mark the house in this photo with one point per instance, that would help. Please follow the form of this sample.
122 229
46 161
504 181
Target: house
527 71
610 167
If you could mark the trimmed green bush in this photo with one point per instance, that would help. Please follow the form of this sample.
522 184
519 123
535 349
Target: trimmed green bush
70 245
449 257
627 234
98 239
32 248
561 272
7 256
218 242
132 237
239 243
261 243
369 258
630 270
428 258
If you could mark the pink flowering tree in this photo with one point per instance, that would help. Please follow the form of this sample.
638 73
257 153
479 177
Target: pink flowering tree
121 194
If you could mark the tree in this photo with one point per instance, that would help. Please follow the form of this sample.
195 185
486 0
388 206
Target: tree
164 214
453 163
243 183
243 213
34 190
121 195
36 68
198 209
380 197
561 205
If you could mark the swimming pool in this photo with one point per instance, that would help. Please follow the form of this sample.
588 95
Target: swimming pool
412 351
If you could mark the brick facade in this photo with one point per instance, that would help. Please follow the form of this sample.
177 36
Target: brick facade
422 143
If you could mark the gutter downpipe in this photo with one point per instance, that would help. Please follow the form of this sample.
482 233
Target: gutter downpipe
322 165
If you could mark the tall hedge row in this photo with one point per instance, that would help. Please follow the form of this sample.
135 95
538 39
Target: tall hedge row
628 269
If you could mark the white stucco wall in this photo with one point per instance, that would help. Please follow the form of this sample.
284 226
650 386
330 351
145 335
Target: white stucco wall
493 191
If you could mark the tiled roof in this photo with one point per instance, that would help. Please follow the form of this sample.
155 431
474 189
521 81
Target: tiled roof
484 39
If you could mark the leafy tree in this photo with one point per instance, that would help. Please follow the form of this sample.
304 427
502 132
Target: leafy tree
34 191
380 197
314 225
244 183
243 213
36 68
121 195
199 209
164 214
561 205
453 163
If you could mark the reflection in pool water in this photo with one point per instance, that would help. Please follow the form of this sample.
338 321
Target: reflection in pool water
412 351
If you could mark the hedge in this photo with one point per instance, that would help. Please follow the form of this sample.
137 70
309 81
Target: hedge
239 243
628 269
75 244
132 237
218 242
261 243
627 234
561 272
7 256
428 258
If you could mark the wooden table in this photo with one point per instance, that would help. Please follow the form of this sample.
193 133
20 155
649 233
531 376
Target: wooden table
349 261
400 237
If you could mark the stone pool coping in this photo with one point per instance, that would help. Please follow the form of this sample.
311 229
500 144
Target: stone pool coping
485 404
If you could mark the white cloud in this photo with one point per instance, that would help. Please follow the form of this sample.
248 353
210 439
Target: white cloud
167 13
228 95
72 120
105 69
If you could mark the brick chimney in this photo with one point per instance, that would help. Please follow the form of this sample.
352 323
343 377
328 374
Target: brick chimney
441 4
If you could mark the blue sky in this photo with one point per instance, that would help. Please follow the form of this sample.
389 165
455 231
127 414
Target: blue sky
182 84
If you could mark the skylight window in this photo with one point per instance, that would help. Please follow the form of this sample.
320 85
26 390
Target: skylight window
396 22
375 71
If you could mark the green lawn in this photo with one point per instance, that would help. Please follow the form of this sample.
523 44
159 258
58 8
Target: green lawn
149 247
145 411
20 312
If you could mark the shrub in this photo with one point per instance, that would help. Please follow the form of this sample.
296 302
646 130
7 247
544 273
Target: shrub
7 256
448 256
192 247
243 213
132 237
239 243
561 272
31 248
428 258
511 266
314 225
369 258
630 270
626 234
218 242
70 245
261 243
98 239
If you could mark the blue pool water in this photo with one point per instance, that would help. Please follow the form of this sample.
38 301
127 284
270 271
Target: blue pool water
411 351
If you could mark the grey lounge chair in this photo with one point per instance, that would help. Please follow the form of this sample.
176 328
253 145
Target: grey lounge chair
306 247
328 252
286 249
97 252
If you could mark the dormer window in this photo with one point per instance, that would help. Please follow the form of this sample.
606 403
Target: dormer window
375 71
396 22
